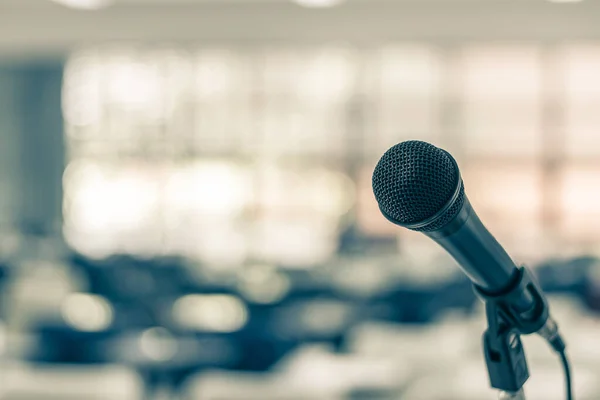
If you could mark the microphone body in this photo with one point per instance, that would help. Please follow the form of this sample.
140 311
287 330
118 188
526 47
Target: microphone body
418 186
480 255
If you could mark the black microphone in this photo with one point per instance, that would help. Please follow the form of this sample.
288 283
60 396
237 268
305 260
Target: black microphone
418 186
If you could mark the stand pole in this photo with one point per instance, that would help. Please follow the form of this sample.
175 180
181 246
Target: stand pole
520 395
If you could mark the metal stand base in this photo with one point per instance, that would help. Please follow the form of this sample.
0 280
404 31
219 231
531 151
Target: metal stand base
520 395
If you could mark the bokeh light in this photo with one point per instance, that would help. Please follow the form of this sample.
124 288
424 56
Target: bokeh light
158 344
88 313
210 313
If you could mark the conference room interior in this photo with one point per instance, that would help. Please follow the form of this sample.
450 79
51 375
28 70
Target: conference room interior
186 205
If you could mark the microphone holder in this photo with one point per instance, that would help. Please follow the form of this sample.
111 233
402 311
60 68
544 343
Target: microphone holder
503 350
504 356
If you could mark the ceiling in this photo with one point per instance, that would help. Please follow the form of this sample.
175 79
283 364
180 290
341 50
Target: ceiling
46 3
43 27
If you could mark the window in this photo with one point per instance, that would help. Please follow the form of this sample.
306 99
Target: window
502 101
306 96
228 154
403 92
582 100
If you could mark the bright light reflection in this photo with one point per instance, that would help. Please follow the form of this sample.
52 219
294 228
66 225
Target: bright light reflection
86 312
328 77
85 4
217 188
104 200
296 243
158 344
263 284
212 313
216 74
324 316
319 3
224 245
318 190
82 92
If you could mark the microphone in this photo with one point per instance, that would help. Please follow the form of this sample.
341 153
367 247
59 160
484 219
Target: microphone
418 186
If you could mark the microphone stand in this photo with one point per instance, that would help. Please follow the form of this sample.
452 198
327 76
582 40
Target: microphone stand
503 350
504 355
520 395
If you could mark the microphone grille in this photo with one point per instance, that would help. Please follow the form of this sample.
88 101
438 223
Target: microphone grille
447 216
413 181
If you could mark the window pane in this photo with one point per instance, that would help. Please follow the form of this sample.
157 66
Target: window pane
582 84
579 203
306 97
298 211
403 92
122 101
110 208
222 91
507 198
148 119
502 100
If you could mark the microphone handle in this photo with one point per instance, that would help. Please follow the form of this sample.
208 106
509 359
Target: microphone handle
480 255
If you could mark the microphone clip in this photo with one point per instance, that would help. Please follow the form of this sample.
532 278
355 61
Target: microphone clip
504 353
503 349
506 304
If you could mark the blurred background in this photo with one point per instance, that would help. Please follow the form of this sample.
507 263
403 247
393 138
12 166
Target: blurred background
186 209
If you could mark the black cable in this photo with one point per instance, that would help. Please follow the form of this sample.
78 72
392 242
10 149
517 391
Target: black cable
567 369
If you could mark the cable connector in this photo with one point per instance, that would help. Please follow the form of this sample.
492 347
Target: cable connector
550 332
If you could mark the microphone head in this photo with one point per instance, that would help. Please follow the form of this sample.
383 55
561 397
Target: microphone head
418 185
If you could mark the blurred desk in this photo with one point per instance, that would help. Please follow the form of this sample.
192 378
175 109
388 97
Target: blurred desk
76 382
